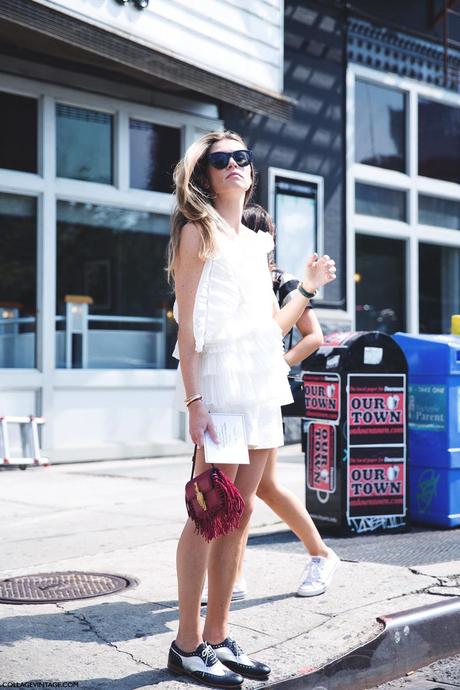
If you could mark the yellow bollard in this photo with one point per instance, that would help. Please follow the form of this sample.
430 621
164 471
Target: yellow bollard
455 324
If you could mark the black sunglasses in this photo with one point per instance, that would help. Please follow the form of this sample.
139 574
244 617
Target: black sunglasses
220 159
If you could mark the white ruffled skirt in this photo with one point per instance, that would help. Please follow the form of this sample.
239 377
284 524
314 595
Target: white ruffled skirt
247 375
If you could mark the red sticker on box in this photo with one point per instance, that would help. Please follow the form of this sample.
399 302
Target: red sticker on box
376 409
321 471
376 482
322 396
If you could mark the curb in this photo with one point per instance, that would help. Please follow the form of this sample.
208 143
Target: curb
411 639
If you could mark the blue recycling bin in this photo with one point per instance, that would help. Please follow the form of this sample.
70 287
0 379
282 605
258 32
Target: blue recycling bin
434 427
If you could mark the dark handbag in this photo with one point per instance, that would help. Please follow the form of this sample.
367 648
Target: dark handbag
296 408
213 502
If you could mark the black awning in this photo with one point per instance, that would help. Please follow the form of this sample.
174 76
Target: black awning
67 36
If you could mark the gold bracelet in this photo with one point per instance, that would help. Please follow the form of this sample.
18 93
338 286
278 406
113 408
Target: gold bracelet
190 397
197 396
194 400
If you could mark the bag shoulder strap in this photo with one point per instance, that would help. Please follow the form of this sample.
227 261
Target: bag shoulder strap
193 461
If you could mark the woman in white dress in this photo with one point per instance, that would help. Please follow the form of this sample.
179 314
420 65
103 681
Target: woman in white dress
231 360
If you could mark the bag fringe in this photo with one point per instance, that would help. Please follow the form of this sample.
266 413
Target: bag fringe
225 518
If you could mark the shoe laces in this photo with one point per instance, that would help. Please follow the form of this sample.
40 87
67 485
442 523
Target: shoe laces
313 571
208 655
235 647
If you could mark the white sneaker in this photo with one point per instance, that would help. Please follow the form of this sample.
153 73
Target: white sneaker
240 591
318 575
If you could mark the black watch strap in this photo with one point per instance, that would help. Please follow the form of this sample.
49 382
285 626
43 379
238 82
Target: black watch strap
305 293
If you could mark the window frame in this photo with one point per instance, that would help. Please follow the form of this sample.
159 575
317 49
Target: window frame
410 182
318 181
393 237
47 188
440 102
104 111
406 133
431 241
181 136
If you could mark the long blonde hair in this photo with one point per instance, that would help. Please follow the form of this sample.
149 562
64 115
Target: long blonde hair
194 197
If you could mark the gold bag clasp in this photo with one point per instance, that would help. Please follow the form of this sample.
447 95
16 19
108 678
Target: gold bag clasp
200 497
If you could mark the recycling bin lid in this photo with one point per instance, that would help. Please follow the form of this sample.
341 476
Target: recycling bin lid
430 354
360 351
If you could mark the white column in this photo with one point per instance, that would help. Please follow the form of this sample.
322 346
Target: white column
46 339
121 151
350 200
412 262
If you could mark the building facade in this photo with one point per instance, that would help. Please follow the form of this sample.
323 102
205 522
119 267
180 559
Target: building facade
355 125
376 130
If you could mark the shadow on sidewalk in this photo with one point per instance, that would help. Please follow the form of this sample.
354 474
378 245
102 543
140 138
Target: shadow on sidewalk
106 623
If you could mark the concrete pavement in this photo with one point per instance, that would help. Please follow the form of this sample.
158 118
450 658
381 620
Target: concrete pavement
124 517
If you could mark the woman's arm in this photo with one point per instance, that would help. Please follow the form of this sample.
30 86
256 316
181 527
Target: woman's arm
318 272
309 327
288 316
188 271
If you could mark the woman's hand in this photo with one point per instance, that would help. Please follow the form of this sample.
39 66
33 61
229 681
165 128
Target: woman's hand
318 272
199 422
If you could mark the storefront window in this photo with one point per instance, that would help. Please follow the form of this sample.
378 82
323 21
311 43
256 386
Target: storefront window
381 202
18 133
113 299
380 284
438 140
380 138
439 287
154 151
84 144
18 281
444 213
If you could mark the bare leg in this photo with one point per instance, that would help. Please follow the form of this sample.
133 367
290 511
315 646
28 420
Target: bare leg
285 504
225 552
191 561
240 569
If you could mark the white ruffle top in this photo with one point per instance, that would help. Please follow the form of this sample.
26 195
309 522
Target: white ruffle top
242 363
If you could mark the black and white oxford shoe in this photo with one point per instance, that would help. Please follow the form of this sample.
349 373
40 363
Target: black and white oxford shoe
204 666
231 654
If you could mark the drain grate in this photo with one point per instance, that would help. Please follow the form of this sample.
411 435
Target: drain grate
46 588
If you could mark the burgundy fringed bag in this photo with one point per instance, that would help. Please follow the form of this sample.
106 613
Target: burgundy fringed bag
213 502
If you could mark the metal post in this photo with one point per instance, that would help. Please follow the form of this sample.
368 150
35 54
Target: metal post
161 358
77 324
445 25
68 335
4 444
84 335
34 438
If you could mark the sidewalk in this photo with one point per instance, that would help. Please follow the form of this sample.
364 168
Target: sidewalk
124 517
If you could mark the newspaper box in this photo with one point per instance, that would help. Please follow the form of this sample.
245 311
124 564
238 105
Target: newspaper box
354 433
434 427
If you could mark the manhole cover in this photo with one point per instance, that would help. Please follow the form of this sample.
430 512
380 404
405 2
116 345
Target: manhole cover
46 588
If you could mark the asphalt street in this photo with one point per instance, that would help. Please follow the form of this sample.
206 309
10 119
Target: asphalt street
442 675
